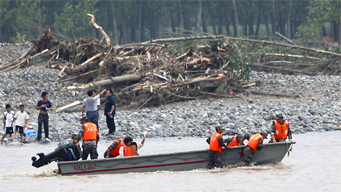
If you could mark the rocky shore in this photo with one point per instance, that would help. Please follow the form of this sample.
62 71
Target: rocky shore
316 109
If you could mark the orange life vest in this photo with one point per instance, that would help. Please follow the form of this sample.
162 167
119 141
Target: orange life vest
214 143
116 152
90 131
254 140
281 130
127 151
234 142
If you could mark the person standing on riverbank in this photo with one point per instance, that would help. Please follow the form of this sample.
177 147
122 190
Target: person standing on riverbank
110 111
20 118
89 136
280 130
90 105
43 106
216 142
8 119
255 143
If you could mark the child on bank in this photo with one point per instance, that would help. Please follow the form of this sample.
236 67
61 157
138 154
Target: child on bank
20 118
8 119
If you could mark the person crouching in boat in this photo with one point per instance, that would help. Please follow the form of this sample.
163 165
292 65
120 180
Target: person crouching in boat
237 140
255 143
216 142
90 139
114 148
280 130
67 150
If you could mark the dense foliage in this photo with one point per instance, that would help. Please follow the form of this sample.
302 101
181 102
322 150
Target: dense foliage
135 20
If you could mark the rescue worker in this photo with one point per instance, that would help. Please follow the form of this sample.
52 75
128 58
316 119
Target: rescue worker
67 150
280 130
216 142
255 143
90 139
114 148
237 140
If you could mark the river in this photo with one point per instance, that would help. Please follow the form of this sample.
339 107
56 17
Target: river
313 165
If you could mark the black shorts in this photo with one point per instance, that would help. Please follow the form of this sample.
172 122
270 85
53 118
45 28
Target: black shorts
19 129
9 130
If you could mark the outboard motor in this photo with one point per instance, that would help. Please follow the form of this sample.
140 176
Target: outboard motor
66 151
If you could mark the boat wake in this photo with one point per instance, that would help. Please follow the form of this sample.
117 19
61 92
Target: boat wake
43 173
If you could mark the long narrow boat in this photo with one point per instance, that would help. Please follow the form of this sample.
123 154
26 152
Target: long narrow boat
181 161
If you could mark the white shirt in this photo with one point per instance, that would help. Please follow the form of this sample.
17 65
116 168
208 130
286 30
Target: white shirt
9 118
21 118
91 103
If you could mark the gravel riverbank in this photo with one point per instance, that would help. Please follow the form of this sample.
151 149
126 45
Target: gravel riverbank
317 108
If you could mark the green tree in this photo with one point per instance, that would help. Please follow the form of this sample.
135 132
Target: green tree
321 13
73 20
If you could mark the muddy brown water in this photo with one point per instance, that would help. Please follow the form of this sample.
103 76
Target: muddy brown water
313 165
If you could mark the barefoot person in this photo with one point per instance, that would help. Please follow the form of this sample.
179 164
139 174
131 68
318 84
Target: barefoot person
8 119
20 119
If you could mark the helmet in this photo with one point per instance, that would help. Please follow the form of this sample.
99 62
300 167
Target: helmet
247 136
75 136
83 119
279 115
264 132
218 127
240 135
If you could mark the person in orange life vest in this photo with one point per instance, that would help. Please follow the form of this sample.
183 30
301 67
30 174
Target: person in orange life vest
216 142
114 148
90 139
237 140
255 143
134 147
131 150
280 130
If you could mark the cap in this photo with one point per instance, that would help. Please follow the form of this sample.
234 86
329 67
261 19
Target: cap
265 133
83 119
279 115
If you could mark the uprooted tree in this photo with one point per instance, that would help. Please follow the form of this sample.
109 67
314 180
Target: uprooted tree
160 71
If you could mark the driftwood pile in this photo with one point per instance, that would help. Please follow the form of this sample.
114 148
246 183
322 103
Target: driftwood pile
149 74
140 74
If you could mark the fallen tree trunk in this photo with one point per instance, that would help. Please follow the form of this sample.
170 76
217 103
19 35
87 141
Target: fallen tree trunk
111 80
286 45
273 93
84 66
285 38
26 61
292 56
267 68
183 39
68 106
